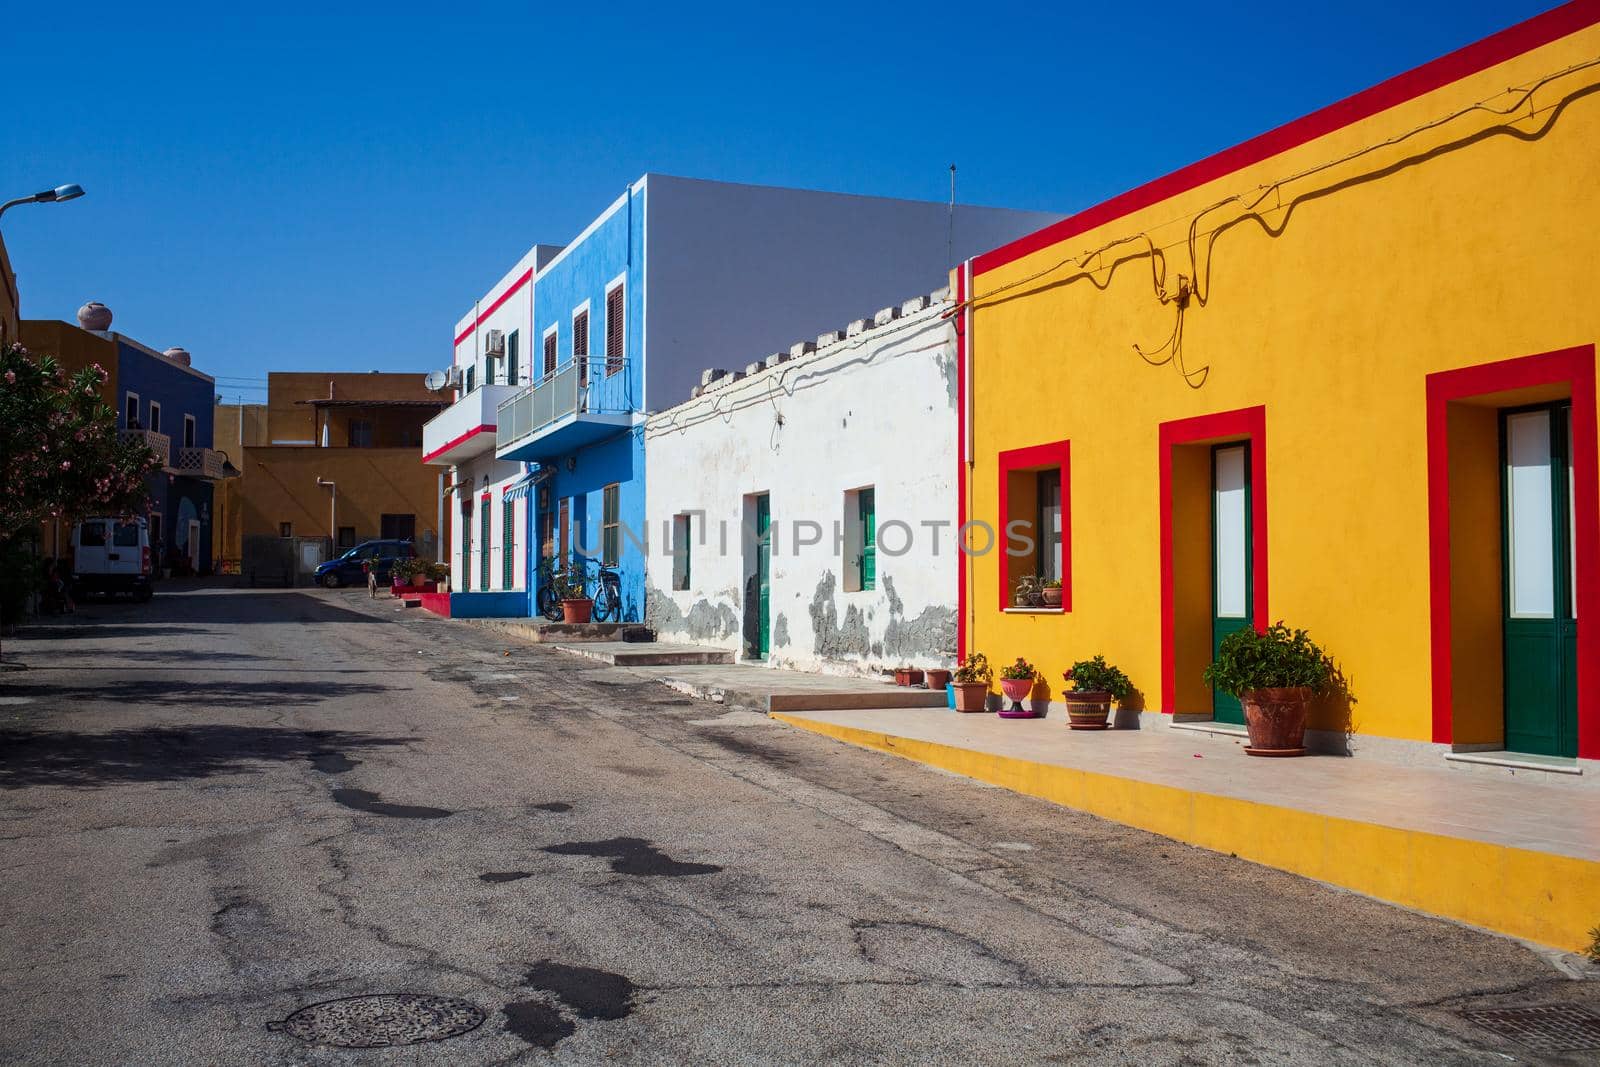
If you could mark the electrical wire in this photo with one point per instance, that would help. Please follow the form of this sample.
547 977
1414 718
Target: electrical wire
1201 292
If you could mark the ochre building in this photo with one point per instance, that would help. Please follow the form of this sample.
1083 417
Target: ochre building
1341 375
361 432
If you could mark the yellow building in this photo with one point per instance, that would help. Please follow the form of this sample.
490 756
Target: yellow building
10 302
1341 375
361 432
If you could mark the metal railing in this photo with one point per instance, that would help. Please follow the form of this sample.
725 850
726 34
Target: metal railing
575 388
199 462
159 443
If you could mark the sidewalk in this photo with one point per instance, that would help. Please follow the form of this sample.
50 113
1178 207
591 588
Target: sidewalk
1520 858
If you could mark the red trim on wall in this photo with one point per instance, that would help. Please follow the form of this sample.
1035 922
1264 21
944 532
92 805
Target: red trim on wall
527 275
1244 423
1480 55
961 462
1575 368
1056 454
447 446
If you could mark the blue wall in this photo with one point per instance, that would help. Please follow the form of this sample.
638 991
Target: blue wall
583 272
177 498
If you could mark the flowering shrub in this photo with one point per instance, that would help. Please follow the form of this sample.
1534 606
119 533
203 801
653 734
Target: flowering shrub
975 668
1019 671
60 454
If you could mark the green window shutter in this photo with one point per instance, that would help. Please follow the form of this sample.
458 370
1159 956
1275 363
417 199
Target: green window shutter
483 558
867 500
508 539
610 534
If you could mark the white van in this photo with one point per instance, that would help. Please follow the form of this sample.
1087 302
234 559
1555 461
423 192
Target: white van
111 556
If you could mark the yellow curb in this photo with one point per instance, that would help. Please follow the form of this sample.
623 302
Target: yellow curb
1538 896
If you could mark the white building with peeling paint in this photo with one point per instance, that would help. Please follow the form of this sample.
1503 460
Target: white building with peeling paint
802 511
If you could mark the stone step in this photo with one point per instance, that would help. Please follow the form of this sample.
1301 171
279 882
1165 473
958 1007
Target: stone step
541 631
628 654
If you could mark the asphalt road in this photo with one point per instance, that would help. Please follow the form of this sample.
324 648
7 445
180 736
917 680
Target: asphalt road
229 805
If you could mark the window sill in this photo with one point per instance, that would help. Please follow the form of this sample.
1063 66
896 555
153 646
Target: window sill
1520 761
1034 611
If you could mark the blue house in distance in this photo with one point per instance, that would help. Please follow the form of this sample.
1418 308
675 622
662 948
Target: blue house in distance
676 275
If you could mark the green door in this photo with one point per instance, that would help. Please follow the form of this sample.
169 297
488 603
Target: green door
764 573
1541 632
1232 590
867 500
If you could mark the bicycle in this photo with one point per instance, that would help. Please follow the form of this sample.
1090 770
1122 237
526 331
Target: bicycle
607 595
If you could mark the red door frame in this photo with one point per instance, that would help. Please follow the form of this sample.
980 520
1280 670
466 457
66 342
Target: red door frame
1242 424
1573 367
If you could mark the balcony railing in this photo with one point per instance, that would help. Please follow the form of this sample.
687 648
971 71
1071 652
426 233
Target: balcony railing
200 463
583 388
159 443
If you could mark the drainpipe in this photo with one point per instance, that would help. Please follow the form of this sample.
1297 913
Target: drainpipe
333 516
439 537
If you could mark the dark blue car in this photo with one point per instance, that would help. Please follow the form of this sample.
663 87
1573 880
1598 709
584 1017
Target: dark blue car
348 569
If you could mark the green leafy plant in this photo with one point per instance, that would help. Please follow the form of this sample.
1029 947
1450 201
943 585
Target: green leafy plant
406 568
975 668
1020 671
1029 592
1096 675
438 572
571 581
1280 658
1593 951
1053 583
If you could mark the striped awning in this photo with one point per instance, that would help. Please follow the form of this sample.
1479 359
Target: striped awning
519 489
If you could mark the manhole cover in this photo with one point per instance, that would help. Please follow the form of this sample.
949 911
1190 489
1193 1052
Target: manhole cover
382 1020
1552 1028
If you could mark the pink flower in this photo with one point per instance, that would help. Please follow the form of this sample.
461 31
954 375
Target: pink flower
66 464
11 377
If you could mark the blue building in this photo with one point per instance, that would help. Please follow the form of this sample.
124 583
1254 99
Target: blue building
160 394
675 275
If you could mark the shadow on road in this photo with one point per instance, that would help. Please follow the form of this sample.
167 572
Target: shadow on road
90 630
163 753
168 692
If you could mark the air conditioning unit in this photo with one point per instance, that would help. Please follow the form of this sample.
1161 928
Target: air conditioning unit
458 378
494 344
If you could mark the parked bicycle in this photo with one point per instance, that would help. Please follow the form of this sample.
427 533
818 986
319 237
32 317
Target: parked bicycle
573 581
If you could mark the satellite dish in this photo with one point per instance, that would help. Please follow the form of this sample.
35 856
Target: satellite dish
437 380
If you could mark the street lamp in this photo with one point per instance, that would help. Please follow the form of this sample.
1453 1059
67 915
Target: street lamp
50 196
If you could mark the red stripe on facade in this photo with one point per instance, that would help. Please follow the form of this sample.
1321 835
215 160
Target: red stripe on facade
1244 424
1573 367
527 275
961 462
1476 57
442 449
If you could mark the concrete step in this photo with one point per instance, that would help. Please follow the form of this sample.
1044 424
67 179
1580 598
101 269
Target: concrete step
541 631
770 695
630 654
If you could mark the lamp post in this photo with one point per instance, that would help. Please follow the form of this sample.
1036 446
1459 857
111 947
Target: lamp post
60 194
333 516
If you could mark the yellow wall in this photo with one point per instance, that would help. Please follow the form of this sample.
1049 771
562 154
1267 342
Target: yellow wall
281 486
1468 244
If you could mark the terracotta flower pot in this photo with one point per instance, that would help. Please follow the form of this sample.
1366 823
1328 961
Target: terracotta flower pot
1052 597
1017 690
1088 709
419 579
576 610
938 679
1276 719
970 696
907 676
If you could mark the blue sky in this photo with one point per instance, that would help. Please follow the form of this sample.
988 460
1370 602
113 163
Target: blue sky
301 190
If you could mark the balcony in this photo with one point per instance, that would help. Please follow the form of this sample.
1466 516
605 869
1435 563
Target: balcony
159 443
465 428
200 463
577 405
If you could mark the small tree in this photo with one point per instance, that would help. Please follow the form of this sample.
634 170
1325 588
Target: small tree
60 454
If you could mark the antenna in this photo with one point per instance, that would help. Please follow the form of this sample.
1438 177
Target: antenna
436 380
950 243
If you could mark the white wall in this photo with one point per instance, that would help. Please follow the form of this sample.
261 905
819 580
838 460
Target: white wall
736 272
877 409
501 474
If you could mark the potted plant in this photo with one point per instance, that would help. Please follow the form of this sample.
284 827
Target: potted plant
907 676
1095 684
1274 675
937 678
1016 682
971 682
1051 591
1029 593
568 584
